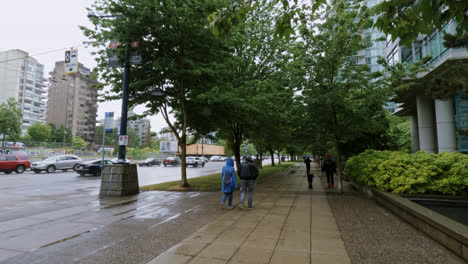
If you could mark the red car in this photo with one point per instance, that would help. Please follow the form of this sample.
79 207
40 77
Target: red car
10 163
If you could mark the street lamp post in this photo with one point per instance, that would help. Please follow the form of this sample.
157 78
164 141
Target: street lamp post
123 119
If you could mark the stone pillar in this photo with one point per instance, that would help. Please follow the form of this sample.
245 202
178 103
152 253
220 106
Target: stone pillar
414 133
426 123
445 119
119 180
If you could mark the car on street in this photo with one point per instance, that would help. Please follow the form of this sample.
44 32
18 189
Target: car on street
149 162
51 164
171 161
116 160
205 159
91 167
11 163
194 161
215 158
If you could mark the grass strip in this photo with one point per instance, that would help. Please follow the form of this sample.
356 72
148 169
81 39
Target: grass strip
212 182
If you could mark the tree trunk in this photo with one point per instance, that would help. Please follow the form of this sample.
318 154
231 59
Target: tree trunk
183 154
236 144
279 157
272 157
338 169
3 141
260 152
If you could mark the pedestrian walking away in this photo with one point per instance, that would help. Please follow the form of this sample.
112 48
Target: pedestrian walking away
329 167
307 161
248 173
228 182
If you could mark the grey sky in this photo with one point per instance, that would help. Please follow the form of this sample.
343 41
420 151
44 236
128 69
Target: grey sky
38 26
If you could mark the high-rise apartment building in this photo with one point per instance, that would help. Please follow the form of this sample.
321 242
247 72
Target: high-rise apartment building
22 78
73 101
139 125
371 54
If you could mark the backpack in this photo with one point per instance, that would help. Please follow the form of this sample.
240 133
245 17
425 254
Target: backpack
227 177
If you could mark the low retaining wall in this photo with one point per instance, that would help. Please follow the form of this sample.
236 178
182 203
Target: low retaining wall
444 230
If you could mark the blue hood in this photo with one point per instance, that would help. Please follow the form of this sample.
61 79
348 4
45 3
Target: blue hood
230 162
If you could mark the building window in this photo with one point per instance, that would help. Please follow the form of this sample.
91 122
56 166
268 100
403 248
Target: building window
406 55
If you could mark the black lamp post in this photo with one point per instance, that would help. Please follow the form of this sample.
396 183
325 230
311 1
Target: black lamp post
123 119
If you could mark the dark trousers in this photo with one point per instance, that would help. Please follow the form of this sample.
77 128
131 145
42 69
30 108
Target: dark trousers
308 169
330 178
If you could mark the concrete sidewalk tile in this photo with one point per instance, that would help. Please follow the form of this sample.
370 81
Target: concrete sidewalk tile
266 233
260 242
19 223
166 258
6 254
329 259
290 257
201 237
62 213
333 247
200 260
187 248
323 234
247 255
219 251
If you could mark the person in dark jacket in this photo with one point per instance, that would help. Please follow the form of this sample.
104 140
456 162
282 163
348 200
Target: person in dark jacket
307 161
247 173
228 182
329 167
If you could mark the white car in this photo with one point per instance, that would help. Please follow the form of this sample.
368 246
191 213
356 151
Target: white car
62 162
214 158
194 161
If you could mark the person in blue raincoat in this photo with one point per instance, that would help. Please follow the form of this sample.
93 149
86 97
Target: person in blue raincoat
228 182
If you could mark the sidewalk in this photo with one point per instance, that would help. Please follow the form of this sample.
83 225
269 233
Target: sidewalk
289 224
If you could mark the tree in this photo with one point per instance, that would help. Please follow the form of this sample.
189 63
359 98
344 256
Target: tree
407 19
39 132
61 134
148 138
79 143
180 55
342 99
10 120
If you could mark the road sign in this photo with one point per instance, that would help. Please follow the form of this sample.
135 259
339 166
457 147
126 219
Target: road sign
109 122
71 61
123 140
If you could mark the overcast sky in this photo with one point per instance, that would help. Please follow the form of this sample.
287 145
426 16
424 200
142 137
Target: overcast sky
40 26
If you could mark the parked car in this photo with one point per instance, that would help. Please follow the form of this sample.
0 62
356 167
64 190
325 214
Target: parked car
91 167
116 160
61 162
17 163
222 158
194 161
171 161
149 162
205 159
215 158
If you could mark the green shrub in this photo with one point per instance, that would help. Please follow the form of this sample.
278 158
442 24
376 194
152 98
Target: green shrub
418 173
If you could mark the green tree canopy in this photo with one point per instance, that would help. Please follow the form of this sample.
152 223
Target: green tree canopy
78 142
39 132
180 55
10 120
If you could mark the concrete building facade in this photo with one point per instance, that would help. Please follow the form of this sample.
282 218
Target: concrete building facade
140 126
430 101
22 78
73 101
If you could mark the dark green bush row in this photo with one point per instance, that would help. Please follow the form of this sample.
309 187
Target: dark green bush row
418 173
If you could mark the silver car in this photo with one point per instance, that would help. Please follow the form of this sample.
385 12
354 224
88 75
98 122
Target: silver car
62 162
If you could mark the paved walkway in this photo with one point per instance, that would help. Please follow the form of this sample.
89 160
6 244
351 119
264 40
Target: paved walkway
289 224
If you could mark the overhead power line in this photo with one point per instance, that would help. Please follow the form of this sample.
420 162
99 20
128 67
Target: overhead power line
39 54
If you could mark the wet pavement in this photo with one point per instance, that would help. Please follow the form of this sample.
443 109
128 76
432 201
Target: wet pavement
289 223
59 218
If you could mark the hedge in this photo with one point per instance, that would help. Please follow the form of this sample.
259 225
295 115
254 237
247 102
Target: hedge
418 173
